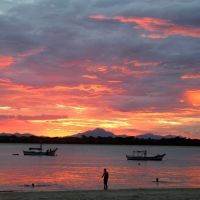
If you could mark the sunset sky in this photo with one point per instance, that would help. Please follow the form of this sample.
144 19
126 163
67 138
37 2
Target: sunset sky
128 66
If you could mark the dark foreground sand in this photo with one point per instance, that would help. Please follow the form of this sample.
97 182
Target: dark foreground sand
131 194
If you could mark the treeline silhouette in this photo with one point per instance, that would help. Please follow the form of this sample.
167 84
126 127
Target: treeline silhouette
178 141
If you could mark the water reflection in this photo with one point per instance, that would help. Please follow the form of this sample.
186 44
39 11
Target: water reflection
81 167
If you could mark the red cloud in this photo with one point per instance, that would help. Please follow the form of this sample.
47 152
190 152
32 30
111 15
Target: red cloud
89 76
6 61
97 69
29 53
153 36
141 63
163 27
191 76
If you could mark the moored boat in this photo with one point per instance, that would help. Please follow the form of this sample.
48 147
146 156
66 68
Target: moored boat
38 151
142 155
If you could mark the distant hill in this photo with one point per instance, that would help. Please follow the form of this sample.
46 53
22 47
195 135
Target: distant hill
154 136
100 136
16 134
98 132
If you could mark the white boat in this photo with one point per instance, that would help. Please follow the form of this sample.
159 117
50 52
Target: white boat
142 155
38 151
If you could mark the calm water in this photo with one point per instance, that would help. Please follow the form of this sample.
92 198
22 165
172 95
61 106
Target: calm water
81 167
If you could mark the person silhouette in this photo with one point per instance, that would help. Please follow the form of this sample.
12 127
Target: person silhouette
105 177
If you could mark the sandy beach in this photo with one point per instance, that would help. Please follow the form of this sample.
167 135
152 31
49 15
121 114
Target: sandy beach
129 194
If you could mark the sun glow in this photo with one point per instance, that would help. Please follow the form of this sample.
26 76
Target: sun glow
5 107
193 97
169 122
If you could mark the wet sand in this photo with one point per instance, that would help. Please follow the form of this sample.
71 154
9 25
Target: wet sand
129 194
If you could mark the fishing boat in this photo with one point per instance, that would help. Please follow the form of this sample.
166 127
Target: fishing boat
142 155
38 151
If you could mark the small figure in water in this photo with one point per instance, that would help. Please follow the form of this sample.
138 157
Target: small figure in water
157 180
33 185
105 177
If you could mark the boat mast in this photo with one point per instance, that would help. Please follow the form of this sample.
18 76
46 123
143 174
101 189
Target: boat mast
41 146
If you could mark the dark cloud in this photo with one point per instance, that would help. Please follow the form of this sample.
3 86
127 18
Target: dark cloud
73 43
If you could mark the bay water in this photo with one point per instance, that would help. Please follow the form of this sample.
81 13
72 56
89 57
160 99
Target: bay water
80 167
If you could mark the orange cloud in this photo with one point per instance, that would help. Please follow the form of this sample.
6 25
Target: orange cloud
191 76
163 27
6 84
153 36
93 88
6 61
140 63
29 53
193 96
89 76
114 81
24 97
125 70
44 110
145 22
96 88
98 69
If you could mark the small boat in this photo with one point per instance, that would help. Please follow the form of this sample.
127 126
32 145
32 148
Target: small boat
142 155
38 151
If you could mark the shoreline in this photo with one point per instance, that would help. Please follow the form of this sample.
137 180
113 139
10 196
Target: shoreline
118 194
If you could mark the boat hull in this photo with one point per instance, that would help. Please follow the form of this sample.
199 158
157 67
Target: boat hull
30 153
154 158
40 153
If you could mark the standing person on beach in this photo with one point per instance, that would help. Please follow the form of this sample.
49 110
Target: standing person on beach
105 177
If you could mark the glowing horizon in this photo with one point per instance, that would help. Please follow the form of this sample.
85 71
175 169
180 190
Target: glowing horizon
66 68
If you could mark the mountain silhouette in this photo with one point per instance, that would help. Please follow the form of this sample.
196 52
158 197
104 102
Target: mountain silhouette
16 134
98 132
